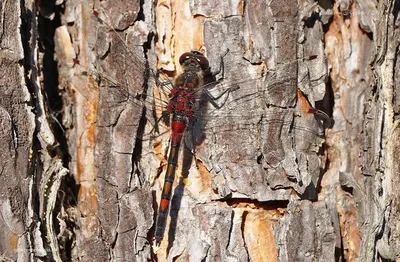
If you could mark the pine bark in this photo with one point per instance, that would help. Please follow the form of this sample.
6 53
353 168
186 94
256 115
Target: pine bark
82 168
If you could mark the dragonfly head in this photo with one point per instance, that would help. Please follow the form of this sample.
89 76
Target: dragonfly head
194 59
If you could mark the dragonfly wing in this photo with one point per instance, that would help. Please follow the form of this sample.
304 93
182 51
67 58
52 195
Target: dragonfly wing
126 78
275 83
192 134
246 128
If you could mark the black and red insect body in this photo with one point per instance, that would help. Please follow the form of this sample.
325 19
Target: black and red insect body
181 107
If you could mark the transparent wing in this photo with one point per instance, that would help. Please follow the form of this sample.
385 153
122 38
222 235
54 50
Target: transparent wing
133 81
123 73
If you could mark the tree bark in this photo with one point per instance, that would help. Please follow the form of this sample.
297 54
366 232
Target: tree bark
82 168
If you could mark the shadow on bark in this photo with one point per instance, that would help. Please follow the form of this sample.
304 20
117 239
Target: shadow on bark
176 200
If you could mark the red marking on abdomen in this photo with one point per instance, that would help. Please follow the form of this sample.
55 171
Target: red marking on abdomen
178 126
176 137
164 204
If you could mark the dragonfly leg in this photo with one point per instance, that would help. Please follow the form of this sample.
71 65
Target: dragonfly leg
165 117
325 118
164 82
213 74
221 65
213 99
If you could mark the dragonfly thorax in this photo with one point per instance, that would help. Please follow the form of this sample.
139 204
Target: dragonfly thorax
181 102
188 80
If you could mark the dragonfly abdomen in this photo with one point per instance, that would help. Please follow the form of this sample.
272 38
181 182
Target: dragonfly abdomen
178 127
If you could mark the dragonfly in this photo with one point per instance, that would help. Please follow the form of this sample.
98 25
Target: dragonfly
181 107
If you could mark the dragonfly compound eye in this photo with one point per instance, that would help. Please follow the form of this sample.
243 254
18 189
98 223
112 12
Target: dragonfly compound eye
184 57
199 57
203 61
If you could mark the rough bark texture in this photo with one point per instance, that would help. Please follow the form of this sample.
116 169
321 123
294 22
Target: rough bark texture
16 139
271 184
31 170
